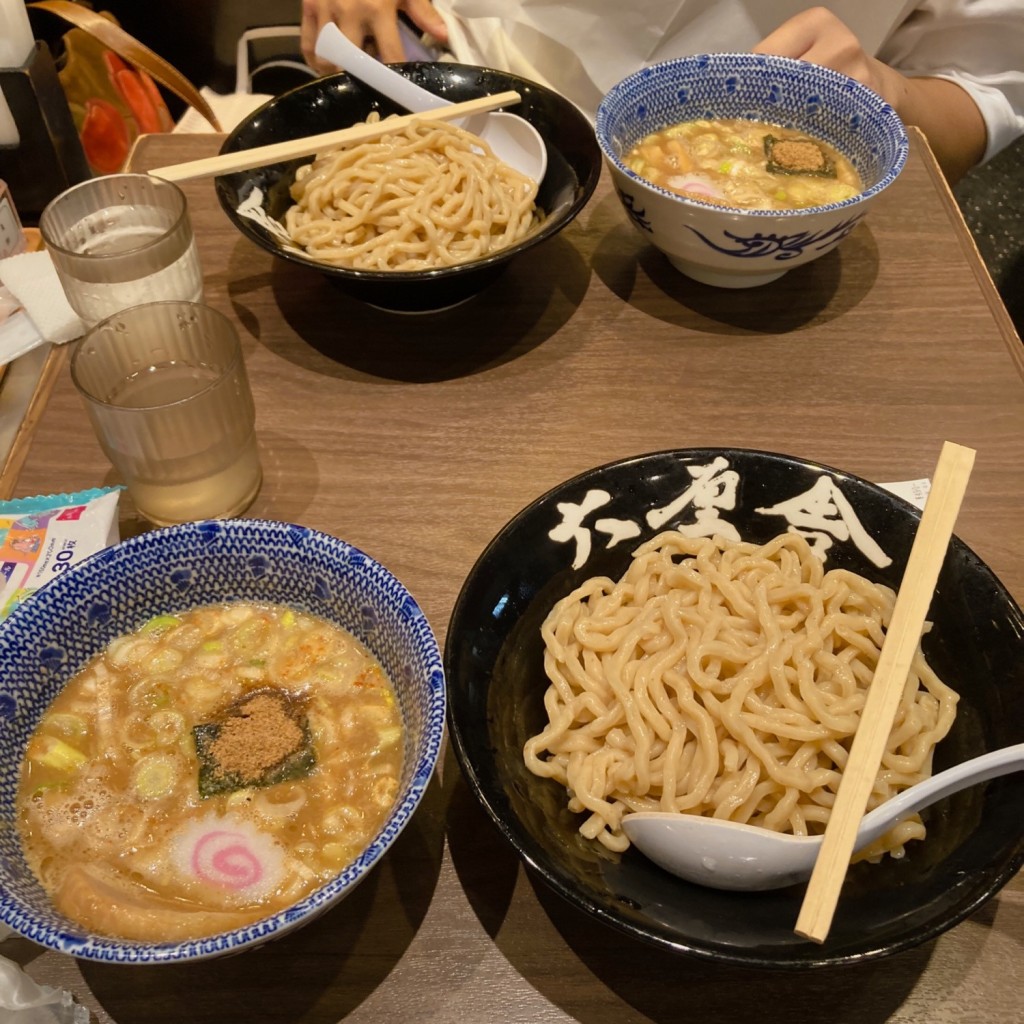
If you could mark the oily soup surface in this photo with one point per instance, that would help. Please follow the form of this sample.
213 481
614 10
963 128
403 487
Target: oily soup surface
209 770
746 164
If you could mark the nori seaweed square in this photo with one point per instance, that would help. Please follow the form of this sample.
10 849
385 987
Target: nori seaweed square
827 170
212 781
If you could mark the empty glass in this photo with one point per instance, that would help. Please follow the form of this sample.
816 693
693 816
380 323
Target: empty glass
120 240
167 392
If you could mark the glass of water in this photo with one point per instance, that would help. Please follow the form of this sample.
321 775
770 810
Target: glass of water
120 240
166 389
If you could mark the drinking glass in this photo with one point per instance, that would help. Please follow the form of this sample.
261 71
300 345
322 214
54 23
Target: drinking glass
121 240
168 395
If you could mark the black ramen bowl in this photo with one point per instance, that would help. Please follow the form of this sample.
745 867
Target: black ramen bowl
327 104
495 674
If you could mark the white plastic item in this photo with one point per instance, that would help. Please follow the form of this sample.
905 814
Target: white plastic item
513 139
730 855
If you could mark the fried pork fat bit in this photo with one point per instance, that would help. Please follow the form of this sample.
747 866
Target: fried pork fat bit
260 740
797 156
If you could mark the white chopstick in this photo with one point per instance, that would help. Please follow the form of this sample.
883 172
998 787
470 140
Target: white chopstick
901 639
261 156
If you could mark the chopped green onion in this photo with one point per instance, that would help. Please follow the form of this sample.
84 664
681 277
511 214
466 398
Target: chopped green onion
155 776
164 659
149 693
249 634
168 726
70 725
55 753
161 622
389 736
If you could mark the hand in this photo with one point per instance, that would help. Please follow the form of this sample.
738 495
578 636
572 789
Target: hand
946 113
818 36
365 20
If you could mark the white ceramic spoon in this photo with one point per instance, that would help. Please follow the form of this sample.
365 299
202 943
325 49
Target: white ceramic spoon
728 855
514 140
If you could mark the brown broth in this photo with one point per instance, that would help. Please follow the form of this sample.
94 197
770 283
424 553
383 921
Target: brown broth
109 810
725 162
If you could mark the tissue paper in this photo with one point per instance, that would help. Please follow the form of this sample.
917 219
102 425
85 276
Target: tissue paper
25 1001
32 280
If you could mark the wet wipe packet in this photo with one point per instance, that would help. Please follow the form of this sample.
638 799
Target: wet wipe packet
42 537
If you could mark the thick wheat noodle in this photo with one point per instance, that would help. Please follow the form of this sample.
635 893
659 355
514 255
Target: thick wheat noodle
430 195
725 679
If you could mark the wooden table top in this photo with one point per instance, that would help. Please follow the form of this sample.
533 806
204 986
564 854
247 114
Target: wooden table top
417 438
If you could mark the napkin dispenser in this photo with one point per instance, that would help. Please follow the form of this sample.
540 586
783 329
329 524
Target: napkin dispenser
48 156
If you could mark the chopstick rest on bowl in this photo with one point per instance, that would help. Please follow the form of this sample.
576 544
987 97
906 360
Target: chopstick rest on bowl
908 615
276 152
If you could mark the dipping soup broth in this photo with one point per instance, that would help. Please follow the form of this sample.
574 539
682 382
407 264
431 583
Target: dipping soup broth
750 165
209 770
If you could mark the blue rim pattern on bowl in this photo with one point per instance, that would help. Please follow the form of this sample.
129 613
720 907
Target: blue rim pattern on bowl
841 110
118 589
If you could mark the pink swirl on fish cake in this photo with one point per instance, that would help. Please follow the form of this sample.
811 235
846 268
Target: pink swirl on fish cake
225 858
237 862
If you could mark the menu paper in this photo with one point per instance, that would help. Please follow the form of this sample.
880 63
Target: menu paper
914 491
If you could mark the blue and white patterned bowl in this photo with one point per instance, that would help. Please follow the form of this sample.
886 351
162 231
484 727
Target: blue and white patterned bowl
741 248
54 634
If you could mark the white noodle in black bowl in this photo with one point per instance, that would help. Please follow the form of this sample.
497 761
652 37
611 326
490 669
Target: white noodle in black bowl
256 201
588 527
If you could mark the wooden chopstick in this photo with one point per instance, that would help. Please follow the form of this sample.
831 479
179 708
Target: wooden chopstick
261 156
908 615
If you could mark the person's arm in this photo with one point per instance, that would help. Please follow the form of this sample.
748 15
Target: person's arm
944 111
363 20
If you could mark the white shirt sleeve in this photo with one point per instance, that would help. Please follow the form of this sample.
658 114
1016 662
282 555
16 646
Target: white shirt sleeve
979 44
582 48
